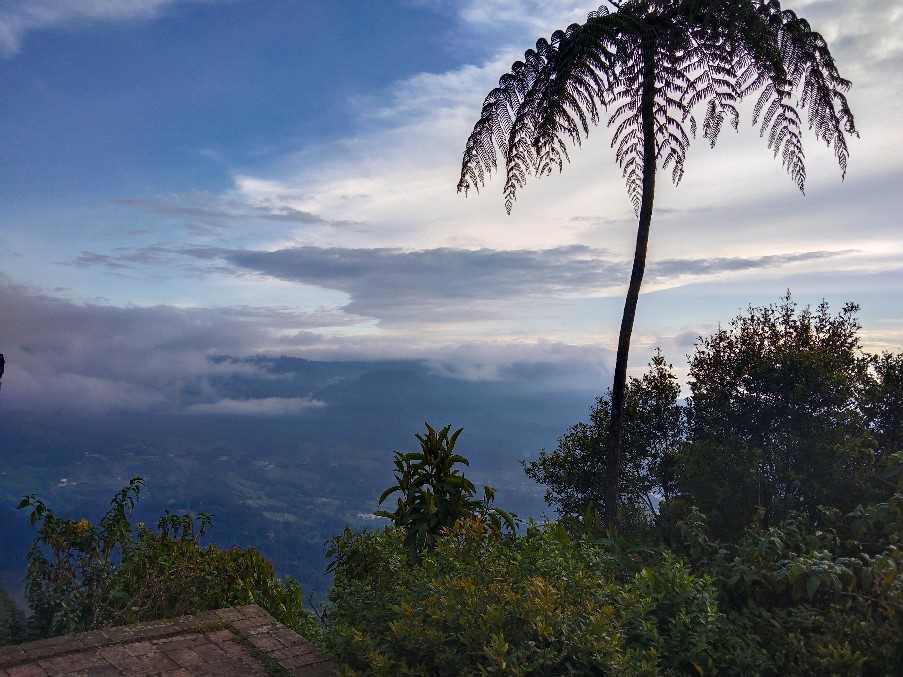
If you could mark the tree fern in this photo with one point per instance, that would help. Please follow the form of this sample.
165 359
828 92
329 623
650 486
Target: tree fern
648 69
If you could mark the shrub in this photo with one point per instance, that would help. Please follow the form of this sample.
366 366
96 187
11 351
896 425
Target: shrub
794 598
654 427
802 600
785 410
785 600
83 576
543 603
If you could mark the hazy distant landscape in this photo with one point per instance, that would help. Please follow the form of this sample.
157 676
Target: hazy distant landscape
283 483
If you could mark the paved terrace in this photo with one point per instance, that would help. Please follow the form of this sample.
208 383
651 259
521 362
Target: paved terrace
240 641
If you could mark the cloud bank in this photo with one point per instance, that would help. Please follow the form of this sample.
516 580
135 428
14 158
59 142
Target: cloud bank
92 359
398 285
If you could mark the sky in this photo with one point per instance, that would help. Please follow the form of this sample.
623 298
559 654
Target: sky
188 178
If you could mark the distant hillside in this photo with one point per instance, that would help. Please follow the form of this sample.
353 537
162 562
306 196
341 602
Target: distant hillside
285 483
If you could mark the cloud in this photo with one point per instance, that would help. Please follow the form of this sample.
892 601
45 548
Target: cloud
93 358
446 283
535 16
533 365
204 213
265 406
380 173
861 32
19 17
670 269
375 216
123 260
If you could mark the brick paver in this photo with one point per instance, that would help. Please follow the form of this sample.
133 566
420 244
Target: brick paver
244 642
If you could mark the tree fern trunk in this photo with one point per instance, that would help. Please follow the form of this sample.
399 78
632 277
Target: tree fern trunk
616 432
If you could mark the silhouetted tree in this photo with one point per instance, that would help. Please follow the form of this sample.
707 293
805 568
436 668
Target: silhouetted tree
779 409
654 429
649 65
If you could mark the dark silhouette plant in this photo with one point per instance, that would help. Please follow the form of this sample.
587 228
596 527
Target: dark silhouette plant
649 65
434 495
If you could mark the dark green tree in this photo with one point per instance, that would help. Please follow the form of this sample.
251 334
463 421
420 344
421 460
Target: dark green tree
647 67
654 428
12 621
777 415
883 403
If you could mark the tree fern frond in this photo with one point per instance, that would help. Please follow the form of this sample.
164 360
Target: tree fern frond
709 54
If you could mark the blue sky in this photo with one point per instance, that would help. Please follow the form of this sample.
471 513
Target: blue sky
279 176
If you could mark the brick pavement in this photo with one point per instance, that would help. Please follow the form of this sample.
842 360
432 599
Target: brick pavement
243 641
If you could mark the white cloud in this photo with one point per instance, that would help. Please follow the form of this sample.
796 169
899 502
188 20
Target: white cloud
539 16
19 17
397 179
265 406
92 359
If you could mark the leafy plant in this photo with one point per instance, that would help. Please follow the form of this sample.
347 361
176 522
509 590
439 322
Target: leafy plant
434 495
83 576
71 564
822 600
789 599
785 407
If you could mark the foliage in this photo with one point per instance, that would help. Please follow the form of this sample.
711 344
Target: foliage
777 496
698 53
787 599
883 403
821 600
786 414
780 410
12 621
540 604
433 494
654 428
83 576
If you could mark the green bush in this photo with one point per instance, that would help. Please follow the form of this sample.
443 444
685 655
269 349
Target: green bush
654 427
83 576
802 600
543 603
787 600
796 598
